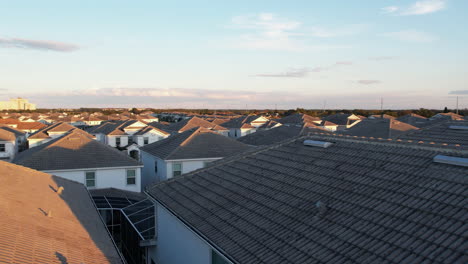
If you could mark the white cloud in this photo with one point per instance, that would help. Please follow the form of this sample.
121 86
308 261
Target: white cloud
418 8
268 31
410 36
303 72
37 44
390 9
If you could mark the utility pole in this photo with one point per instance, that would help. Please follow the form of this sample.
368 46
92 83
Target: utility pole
381 106
324 105
457 105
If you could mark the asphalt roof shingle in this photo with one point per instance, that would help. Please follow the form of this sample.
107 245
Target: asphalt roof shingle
358 201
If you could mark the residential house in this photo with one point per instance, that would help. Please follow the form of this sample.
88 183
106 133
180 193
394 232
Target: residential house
318 199
447 116
343 121
49 133
244 125
187 124
77 156
48 219
299 118
185 152
30 127
329 126
384 116
11 142
414 120
379 128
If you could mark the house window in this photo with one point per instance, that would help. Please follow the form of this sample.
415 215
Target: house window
145 140
117 141
2 147
156 167
131 177
90 179
130 140
217 258
206 163
176 169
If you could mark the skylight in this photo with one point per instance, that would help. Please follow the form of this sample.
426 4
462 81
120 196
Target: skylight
315 143
459 127
457 161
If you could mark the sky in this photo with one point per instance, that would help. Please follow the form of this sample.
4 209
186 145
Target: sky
235 54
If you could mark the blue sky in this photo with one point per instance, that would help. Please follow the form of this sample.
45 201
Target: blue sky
235 54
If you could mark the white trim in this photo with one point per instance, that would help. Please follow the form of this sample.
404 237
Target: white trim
103 168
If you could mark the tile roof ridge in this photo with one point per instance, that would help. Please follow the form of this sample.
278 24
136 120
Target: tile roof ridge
421 145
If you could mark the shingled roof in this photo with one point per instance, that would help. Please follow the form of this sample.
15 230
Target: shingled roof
188 124
358 201
414 120
193 144
298 118
73 233
441 132
57 127
381 127
9 134
277 134
76 150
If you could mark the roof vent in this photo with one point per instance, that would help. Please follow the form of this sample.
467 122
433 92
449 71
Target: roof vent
459 127
451 160
49 213
320 144
321 207
60 190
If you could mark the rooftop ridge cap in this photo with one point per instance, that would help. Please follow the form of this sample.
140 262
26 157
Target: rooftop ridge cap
421 145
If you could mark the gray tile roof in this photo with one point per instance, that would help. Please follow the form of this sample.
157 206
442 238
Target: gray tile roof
188 124
298 119
74 233
9 134
381 127
57 127
274 135
414 120
193 144
358 201
240 121
440 132
76 150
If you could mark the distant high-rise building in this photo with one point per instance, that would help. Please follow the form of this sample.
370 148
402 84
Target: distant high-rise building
17 104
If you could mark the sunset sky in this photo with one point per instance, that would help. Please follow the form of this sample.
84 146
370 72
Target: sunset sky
235 54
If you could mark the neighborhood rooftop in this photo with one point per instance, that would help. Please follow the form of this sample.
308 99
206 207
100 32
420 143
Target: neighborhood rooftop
358 200
75 150
48 219
195 143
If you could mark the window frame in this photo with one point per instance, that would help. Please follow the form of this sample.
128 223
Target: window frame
4 147
145 140
118 141
173 169
94 179
134 176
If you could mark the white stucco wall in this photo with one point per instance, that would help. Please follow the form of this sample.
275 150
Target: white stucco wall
149 176
111 141
176 243
105 178
187 166
11 148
